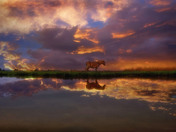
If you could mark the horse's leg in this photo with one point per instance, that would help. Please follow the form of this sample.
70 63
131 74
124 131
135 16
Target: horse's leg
87 68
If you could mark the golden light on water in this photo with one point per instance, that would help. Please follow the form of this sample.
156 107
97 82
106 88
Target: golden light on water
159 94
142 89
151 91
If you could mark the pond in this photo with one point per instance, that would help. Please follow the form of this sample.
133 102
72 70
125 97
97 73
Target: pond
88 105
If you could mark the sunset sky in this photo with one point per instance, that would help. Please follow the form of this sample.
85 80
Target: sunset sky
64 34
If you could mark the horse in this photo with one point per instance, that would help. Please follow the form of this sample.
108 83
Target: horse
94 64
94 85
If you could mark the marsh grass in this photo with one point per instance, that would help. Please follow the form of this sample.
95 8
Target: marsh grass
88 74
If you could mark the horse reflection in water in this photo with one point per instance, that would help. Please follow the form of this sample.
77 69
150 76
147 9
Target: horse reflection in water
94 85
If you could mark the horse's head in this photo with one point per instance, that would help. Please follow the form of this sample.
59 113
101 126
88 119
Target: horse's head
102 62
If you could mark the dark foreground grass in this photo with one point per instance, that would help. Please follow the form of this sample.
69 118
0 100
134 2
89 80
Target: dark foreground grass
88 74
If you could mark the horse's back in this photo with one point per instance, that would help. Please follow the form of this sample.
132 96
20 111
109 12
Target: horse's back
88 63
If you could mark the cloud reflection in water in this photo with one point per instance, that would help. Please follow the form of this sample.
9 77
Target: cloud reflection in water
160 94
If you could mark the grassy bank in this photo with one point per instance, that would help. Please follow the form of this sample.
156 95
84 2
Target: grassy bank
89 74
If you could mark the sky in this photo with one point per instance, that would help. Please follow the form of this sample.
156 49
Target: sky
65 34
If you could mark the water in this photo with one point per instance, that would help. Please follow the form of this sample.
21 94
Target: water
111 105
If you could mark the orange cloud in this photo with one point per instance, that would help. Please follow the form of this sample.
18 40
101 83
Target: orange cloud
149 24
122 51
89 34
84 50
163 9
122 35
160 2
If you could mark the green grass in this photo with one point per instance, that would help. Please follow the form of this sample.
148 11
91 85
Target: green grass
88 74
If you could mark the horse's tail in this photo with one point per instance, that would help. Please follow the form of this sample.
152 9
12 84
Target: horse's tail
88 64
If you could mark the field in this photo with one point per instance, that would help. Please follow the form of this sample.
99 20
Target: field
88 74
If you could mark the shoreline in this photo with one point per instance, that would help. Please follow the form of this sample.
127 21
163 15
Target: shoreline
89 74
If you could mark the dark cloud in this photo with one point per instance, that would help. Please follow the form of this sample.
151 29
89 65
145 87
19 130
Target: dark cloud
52 3
28 9
58 39
152 42
16 11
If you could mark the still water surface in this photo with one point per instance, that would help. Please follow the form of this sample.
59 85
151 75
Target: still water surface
111 105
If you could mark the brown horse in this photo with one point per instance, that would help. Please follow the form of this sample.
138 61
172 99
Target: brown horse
94 64
94 85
